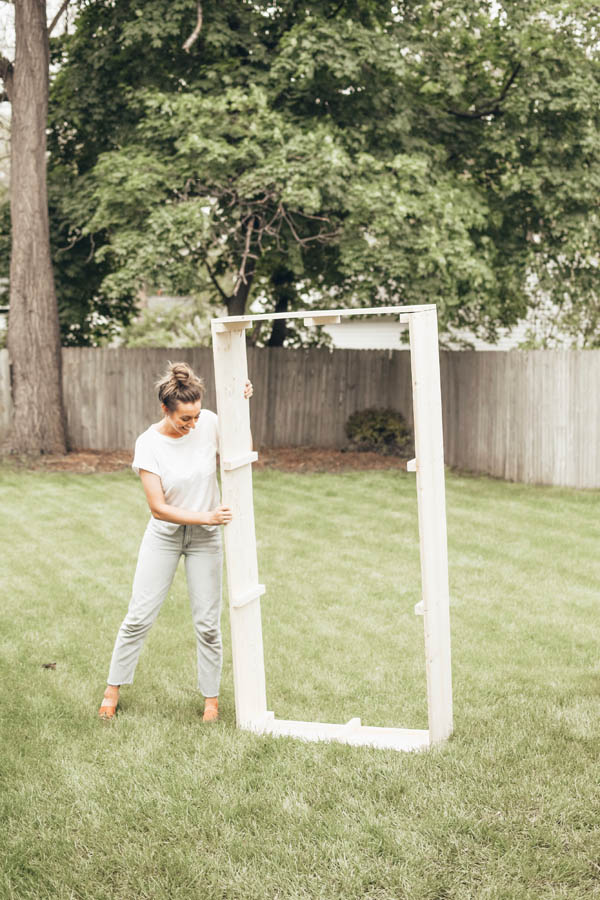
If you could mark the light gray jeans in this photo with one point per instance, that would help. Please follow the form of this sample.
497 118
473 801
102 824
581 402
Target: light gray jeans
157 561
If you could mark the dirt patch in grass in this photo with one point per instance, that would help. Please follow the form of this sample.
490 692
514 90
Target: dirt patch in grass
77 461
287 459
315 459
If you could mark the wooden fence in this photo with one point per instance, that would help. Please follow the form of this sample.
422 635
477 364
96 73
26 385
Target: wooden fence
525 416
5 401
529 416
301 397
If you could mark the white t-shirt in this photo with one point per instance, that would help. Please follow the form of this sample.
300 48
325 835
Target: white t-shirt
186 466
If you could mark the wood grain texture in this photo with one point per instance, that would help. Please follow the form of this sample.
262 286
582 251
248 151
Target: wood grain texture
431 503
5 397
231 372
528 416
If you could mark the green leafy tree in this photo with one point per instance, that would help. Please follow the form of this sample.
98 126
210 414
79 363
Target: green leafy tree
365 152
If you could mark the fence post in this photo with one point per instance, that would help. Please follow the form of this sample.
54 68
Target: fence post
5 395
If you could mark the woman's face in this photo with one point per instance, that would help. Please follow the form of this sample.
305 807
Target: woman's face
184 418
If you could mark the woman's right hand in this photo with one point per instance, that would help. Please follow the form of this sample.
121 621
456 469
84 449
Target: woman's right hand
221 515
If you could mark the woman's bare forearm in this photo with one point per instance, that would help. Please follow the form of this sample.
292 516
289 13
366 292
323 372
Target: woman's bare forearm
178 516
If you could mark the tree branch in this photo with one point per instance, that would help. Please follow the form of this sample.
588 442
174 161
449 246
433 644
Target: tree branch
491 107
69 246
323 237
241 279
194 35
54 21
333 14
509 82
90 255
216 283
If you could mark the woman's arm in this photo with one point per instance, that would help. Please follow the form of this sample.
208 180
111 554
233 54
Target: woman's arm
160 509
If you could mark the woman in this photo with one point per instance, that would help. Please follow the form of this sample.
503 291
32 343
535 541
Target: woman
176 460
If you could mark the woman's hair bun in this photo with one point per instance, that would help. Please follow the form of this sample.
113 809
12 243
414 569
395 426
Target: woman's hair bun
179 384
181 373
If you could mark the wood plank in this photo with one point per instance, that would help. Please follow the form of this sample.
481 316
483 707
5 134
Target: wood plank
245 459
252 594
322 320
224 325
401 739
231 372
5 395
318 313
431 504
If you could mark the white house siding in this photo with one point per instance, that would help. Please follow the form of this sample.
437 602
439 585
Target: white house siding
388 334
377 334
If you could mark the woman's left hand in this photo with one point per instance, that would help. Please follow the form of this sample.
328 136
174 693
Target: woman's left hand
248 390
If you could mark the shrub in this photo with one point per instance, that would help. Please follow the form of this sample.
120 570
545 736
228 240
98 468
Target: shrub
380 430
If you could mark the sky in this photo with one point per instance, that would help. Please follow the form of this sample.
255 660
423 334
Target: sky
7 29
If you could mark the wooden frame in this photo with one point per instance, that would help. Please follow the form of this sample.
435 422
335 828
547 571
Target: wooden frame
231 372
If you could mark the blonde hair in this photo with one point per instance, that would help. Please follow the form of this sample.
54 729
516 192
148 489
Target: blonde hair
179 384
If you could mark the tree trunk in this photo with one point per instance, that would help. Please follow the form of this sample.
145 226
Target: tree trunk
236 304
33 329
284 291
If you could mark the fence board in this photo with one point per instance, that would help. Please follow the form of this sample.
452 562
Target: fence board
525 416
5 397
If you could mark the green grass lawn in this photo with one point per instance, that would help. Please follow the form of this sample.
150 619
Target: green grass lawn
156 805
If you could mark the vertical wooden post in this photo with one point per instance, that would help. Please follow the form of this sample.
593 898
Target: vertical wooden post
231 372
429 447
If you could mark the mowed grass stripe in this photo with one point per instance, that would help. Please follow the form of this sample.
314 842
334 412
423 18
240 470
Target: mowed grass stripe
509 808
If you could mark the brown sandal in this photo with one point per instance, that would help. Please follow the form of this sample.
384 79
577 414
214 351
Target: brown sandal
211 709
108 707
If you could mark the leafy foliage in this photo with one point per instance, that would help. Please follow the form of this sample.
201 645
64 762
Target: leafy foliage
380 430
176 326
410 152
